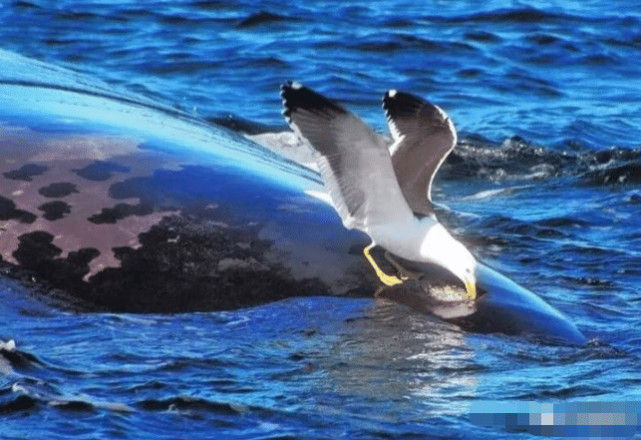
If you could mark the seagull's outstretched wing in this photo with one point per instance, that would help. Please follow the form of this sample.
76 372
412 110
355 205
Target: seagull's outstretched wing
354 162
423 137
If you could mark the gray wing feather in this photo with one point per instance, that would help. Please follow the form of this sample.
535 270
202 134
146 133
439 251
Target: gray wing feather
354 163
424 136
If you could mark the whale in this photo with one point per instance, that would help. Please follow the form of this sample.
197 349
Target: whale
130 205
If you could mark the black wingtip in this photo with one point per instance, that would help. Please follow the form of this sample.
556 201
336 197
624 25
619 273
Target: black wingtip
298 97
400 104
286 93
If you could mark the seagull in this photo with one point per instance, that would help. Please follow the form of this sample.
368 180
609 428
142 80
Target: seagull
385 193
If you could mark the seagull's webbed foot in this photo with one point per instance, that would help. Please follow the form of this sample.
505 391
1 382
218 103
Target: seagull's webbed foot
388 280
379 290
404 273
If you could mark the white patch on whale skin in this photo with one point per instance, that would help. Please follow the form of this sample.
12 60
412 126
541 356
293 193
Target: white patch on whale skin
289 145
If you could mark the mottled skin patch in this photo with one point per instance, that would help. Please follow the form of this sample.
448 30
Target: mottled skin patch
178 269
100 171
54 210
38 254
150 233
9 211
119 212
52 161
25 172
58 190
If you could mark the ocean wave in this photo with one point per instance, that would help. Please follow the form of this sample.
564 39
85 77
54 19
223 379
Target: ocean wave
188 403
627 173
260 18
17 358
27 382
513 160
516 159
527 14
15 403
409 42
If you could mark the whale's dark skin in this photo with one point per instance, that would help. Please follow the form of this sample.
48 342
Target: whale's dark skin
134 207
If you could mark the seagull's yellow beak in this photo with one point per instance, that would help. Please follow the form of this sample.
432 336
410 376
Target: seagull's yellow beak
470 287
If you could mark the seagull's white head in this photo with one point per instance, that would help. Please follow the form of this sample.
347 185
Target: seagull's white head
440 248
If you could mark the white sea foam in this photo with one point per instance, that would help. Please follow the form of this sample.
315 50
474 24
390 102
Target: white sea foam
10 345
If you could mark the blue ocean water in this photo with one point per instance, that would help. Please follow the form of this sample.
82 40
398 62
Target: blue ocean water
544 186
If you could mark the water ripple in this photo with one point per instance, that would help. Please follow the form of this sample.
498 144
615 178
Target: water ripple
544 185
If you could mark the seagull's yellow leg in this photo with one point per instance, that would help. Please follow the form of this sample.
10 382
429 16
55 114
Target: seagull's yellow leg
388 280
